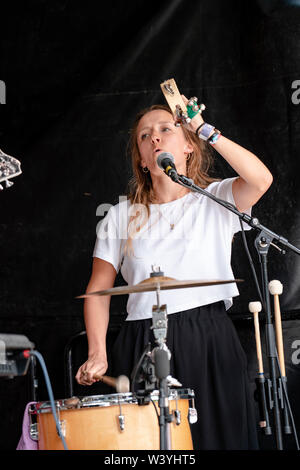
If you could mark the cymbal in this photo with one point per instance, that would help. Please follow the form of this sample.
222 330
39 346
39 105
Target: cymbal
157 282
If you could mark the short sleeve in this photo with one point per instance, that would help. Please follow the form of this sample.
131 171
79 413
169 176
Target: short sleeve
223 190
108 244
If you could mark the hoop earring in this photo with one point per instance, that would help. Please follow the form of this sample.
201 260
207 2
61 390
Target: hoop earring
145 169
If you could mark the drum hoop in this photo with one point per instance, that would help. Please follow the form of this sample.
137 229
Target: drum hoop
105 400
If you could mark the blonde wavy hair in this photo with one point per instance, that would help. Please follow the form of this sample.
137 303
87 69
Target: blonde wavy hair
140 190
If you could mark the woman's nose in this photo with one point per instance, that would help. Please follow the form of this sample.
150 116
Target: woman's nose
155 137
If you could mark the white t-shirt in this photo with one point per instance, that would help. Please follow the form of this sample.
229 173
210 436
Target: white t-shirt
198 247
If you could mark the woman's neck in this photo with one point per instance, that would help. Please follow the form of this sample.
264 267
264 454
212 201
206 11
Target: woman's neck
166 191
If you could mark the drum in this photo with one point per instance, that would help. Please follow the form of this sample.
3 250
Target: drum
114 422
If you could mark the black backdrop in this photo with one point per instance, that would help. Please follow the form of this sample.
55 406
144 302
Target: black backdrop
76 73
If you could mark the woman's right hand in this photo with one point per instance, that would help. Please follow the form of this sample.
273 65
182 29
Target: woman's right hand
95 365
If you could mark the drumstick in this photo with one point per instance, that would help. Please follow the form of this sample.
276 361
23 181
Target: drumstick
255 308
275 288
121 383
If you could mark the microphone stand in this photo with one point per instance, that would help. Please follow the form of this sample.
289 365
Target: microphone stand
161 356
154 367
263 241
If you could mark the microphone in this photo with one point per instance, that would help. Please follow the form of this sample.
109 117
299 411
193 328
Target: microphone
165 161
162 365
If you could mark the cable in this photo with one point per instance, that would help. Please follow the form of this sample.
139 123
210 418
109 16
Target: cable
50 392
156 411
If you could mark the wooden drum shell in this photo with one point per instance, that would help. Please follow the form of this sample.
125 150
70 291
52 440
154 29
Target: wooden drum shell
98 428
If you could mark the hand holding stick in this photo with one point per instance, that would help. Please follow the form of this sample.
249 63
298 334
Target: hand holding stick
121 383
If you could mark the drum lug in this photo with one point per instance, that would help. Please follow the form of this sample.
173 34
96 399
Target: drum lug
193 415
177 413
33 424
34 431
121 422
121 418
177 416
62 423
63 427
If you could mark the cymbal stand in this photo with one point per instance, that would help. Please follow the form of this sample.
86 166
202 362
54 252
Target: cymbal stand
154 366
161 356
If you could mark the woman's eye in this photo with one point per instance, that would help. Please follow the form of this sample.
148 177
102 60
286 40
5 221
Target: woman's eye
165 129
144 136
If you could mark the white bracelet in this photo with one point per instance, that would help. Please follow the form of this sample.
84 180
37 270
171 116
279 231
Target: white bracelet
205 131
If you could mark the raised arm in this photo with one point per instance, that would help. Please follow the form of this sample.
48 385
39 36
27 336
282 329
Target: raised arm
254 177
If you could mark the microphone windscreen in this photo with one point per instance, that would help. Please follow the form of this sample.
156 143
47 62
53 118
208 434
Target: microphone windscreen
162 364
164 156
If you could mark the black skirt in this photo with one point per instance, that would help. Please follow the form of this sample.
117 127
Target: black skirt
207 357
